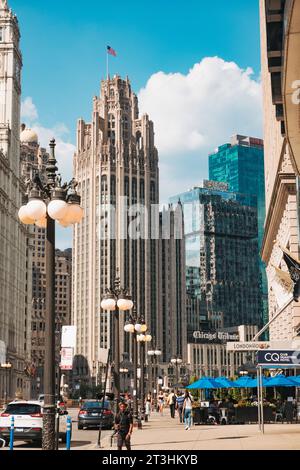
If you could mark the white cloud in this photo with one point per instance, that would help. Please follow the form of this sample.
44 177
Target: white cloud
195 113
29 110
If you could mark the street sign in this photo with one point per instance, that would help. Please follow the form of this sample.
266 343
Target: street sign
248 346
66 359
278 358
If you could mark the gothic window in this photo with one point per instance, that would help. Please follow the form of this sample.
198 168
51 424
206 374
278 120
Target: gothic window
111 93
134 191
1 34
111 121
152 192
142 190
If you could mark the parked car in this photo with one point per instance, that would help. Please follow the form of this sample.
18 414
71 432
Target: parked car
93 412
28 422
62 406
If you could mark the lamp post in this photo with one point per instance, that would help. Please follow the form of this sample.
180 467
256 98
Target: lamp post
124 371
153 354
143 339
117 299
50 201
176 361
136 326
7 367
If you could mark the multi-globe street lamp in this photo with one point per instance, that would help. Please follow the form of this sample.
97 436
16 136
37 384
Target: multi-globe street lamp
153 354
143 339
50 201
176 361
124 371
137 327
117 299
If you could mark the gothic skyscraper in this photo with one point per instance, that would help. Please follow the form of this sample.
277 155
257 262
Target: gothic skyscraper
14 302
116 165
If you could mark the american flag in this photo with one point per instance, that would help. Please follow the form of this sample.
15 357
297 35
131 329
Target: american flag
111 51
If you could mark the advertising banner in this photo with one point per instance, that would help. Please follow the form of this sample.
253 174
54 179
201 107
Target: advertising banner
66 359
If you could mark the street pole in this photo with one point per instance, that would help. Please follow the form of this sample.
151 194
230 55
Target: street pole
117 356
142 354
49 370
135 401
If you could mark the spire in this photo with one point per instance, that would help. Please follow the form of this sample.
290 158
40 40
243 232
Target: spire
3 5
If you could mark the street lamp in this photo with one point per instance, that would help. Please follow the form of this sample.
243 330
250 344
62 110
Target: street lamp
117 299
48 202
153 354
124 371
136 326
7 367
176 361
143 339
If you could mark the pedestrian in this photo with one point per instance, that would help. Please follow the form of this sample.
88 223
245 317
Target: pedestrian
148 407
179 406
171 401
161 402
187 410
124 426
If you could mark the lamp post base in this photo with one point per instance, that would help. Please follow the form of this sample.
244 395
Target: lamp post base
49 428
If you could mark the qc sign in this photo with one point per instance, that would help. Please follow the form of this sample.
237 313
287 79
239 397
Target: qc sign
278 358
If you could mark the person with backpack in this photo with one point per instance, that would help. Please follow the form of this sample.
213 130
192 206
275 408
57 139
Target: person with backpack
179 406
172 402
187 410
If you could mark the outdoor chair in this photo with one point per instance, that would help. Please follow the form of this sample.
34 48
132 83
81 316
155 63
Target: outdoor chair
278 417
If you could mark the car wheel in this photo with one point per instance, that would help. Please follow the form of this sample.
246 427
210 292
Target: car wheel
80 427
38 442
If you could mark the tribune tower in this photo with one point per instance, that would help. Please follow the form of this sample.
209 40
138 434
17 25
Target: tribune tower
116 158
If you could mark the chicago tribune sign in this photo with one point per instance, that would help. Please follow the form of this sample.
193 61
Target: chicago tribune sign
215 336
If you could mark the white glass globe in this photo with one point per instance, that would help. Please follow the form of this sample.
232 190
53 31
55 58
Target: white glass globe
108 304
142 338
151 353
64 224
36 209
157 352
74 214
57 209
148 338
23 216
125 304
138 328
129 328
173 361
139 338
42 223
144 328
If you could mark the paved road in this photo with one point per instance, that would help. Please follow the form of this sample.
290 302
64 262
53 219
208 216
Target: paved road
81 440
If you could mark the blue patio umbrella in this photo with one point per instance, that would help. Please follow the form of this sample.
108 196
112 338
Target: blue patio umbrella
295 379
244 382
225 382
204 383
253 383
280 381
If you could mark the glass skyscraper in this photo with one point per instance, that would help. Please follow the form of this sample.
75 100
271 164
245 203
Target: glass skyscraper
223 287
240 164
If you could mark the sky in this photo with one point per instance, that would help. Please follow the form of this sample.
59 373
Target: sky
194 65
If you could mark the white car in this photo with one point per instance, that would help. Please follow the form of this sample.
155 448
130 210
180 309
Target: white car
28 422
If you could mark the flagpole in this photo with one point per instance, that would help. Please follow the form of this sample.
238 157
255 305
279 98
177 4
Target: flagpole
107 70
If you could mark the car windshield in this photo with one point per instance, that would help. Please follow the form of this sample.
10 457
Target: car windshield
97 404
23 409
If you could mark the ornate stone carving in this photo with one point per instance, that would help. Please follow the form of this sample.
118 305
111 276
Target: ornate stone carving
3 4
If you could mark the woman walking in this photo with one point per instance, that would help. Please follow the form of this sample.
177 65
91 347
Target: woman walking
161 402
187 410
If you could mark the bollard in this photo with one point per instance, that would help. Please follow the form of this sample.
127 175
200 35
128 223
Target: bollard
12 433
69 429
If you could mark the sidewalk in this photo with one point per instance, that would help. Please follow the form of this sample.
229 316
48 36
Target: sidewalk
164 433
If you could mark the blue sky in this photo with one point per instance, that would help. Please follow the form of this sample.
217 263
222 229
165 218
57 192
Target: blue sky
64 57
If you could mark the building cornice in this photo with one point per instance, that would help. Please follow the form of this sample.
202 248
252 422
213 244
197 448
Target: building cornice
285 185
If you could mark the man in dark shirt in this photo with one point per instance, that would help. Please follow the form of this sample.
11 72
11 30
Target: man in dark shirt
124 426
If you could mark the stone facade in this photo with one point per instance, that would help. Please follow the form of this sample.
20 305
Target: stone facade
116 158
281 225
14 300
